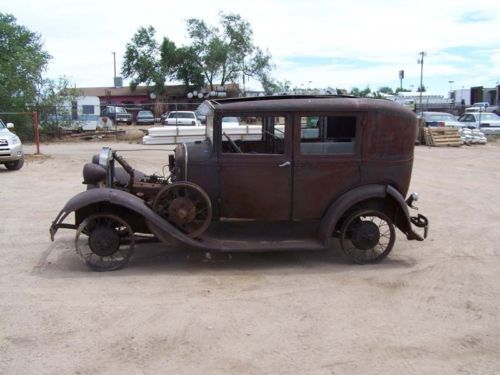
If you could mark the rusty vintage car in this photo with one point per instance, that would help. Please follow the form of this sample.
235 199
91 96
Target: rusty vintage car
292 173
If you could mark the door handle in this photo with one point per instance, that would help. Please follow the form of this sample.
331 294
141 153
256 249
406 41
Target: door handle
285 164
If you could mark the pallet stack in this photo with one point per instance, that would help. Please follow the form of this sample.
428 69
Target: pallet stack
440 137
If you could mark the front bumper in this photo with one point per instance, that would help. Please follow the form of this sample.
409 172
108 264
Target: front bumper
11 153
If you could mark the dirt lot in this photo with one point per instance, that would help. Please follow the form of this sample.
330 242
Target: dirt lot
430 308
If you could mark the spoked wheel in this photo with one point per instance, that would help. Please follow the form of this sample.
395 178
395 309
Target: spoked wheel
105 242
186 206
367 236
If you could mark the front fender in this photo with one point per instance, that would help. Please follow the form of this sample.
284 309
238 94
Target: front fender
355 196
124 199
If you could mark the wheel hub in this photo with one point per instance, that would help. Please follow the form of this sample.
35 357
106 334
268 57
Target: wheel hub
104 241
181 211
365 235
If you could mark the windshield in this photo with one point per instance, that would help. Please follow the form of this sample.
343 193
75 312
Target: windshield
439 117
2 125
145 113
489 117
120 110
181 115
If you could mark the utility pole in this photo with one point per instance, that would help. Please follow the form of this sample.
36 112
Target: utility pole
421 62
114 68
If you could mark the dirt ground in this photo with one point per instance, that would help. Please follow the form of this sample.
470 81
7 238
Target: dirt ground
432 307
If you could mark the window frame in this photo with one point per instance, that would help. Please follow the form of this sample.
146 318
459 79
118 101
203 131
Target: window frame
298 155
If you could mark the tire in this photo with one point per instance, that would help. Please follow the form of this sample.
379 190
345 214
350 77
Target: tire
367 236
105 242
14 165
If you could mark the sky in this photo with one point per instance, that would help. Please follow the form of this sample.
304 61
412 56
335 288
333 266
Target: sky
314 43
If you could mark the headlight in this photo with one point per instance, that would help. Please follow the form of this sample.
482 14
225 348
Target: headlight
105 156
15 141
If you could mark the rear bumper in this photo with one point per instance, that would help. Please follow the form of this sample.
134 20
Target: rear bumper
422 223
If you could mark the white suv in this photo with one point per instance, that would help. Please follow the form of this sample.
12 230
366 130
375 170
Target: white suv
11 148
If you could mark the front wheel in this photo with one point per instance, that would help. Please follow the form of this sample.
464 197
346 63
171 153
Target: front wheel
104 242
367 236
14 165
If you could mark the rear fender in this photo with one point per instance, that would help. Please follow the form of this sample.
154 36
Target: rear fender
121 199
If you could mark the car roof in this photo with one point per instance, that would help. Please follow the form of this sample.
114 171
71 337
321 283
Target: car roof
306 103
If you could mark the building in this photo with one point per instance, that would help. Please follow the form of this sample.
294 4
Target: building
467 97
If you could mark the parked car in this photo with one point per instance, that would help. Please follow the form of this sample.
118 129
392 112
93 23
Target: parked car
11 148
440 119
182 118
262 192
487 122
117 114
145 117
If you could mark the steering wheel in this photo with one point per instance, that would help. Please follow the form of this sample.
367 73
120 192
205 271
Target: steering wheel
232 143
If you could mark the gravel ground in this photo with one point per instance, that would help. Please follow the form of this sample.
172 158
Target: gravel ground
430 308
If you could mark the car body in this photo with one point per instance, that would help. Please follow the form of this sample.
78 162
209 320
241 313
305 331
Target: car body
117 114
487 122
440 119
308 170
145 117
11 148
182 118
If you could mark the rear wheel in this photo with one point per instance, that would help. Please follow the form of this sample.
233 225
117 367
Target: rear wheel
104 242
367 236
14 165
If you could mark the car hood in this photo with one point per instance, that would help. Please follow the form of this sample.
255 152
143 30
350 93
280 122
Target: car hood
5 133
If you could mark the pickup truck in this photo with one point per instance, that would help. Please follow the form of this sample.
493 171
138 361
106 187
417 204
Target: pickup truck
182 118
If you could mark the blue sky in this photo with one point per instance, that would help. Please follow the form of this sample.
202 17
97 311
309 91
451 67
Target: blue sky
316 44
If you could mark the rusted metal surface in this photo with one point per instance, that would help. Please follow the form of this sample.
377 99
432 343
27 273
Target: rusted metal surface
356 166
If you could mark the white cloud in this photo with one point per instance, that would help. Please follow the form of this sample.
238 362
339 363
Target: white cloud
389 34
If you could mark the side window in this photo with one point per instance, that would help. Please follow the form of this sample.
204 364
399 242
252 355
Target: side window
327 135
87 109
253 134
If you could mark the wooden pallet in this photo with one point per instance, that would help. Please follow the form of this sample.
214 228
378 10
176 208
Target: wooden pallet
441 137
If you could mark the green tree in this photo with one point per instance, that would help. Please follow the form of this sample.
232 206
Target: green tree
360 93
228 53
386 90
402 90
22 63
142 62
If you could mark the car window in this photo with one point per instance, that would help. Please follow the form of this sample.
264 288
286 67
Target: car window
181 115
120 110
439 117
327 135
254 135
2 125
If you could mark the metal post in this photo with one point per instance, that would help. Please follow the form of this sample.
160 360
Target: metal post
114 66
421 62
37 132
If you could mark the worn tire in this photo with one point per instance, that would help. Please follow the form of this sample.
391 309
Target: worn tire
355 243
14 165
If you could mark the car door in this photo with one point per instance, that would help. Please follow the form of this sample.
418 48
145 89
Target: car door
326 161
255 167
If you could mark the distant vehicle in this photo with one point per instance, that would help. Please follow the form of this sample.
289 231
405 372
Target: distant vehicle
230 121
163 117
182 118
488 123
440 119
117 114
78 114
478 107
145 117
11 148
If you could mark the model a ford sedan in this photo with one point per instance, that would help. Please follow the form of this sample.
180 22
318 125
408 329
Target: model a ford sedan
298 173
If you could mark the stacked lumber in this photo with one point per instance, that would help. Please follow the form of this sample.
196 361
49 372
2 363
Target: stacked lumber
440 137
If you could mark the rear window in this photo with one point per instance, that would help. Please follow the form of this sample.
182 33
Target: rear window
327 135
181 115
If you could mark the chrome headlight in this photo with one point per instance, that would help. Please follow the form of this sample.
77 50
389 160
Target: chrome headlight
105 159
105 156
15 141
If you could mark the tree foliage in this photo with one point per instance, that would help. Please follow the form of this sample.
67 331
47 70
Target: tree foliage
22 62
227 53
360 93
215 55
